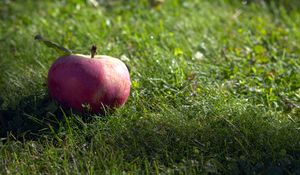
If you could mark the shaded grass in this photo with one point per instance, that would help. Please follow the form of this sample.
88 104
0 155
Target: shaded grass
215 89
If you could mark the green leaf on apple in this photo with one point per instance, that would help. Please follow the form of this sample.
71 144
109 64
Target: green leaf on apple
51 44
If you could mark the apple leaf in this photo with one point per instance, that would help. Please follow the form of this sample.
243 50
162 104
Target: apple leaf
51 44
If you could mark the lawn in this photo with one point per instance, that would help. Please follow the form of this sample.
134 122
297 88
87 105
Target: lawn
215 88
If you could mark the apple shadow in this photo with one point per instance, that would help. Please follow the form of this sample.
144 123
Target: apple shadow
34 116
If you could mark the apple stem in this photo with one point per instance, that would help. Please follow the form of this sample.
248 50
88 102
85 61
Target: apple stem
51 44
93 51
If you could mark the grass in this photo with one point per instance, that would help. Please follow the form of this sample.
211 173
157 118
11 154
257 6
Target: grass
215 88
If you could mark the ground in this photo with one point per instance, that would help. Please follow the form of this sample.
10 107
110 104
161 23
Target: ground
215 88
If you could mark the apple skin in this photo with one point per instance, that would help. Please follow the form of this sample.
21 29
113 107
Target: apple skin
75 80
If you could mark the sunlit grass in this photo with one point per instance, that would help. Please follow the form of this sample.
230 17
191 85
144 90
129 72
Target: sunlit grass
215 88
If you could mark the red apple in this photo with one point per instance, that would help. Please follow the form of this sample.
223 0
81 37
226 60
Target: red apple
77 80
